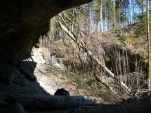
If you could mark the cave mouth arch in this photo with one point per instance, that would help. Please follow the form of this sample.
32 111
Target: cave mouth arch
21 24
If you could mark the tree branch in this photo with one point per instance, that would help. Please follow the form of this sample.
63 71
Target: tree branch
82 45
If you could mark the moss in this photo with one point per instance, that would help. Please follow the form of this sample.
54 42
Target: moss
130 40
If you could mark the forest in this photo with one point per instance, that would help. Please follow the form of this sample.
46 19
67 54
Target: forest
88 56
102 40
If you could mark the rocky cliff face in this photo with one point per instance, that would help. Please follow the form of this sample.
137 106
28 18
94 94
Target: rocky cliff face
21 24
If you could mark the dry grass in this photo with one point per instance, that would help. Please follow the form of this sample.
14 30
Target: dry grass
107 48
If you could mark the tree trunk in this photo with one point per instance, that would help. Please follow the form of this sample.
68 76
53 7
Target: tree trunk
149 42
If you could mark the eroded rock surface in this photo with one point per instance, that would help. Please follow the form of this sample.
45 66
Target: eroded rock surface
21 24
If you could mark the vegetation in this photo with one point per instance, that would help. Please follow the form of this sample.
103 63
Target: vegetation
101 49
88 29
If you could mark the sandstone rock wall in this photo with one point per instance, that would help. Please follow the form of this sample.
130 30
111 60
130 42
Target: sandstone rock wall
21 24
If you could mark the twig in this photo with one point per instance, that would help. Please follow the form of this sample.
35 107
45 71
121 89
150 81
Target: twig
82 45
